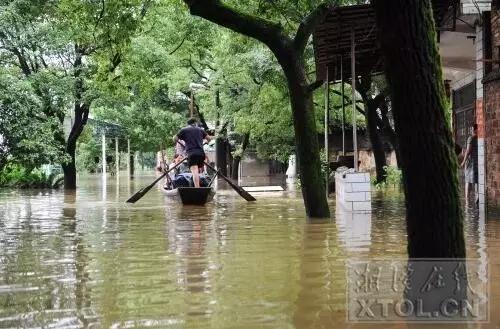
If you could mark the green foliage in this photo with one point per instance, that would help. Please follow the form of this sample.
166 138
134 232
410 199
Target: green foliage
15 175
26 132
394 178
141 59
88 151
57 55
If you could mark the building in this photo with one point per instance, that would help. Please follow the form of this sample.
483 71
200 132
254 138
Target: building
469 42
471 62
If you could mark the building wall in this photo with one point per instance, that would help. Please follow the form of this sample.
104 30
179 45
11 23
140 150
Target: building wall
492 117
368 160
492 140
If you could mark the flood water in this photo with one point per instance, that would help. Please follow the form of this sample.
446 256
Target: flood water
89 260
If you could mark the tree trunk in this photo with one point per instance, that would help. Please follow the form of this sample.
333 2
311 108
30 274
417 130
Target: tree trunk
237 159
220 155
235 167
433 212
376 142
69 170
81 112
372 123
306 138
132 164
386 126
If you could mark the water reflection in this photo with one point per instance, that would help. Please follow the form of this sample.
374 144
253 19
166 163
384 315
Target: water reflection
87 259
354 229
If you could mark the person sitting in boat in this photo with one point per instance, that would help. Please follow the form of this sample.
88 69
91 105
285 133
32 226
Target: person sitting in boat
193 138
180 155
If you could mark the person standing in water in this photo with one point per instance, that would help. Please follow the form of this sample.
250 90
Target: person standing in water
470 162
193 138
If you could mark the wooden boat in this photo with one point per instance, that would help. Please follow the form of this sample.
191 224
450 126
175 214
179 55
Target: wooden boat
191 195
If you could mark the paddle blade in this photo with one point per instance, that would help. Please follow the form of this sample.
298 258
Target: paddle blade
244 194
137 196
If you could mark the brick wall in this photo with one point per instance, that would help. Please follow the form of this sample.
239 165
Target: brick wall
492 117
492 138
495 36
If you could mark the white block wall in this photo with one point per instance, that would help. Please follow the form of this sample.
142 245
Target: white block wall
353 191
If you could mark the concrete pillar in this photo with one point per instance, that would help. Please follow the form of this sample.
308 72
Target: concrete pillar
103 155
480 119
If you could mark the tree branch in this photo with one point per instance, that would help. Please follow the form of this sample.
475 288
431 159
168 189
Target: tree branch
308 25
190 63
315 85
263 30
180 45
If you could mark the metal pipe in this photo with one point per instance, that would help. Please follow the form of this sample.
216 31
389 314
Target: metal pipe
353 81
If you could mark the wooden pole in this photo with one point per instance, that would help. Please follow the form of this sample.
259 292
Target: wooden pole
103 155
327 119
128 158
353 81
343 103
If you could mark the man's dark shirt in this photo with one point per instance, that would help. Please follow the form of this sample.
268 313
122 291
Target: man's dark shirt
193 137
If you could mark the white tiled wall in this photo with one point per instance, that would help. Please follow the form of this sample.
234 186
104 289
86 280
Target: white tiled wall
353 191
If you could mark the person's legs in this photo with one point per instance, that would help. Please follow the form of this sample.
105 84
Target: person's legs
196 176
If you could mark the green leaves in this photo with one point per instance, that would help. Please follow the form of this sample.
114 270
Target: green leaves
27 133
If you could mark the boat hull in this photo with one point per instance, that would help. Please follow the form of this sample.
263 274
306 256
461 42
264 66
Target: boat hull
192 195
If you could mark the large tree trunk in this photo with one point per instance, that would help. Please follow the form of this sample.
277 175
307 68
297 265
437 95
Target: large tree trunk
306 138
408 42
81 112
69 170
376 143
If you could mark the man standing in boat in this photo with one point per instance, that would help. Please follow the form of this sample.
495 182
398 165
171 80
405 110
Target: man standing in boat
193 137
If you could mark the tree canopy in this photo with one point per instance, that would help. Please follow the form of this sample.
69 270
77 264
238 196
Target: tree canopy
136 63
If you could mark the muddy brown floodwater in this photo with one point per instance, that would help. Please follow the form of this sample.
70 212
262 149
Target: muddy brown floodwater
89 260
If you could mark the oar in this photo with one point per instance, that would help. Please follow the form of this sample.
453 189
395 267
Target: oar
244 194
212 180
138 195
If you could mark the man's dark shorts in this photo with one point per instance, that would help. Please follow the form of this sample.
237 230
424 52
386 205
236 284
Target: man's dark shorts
196 160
